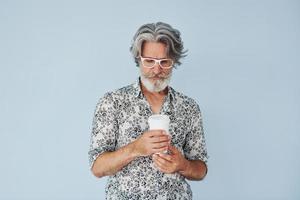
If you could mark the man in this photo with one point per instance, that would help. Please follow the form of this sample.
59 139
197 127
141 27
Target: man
123 147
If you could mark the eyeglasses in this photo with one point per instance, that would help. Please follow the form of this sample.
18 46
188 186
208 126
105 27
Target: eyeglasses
164 63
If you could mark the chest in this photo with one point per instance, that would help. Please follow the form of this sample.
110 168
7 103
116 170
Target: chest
133 121
155 103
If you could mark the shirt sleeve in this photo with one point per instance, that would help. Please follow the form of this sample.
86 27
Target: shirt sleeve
195 145
104 129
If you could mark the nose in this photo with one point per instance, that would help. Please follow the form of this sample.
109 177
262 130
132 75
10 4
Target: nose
156 69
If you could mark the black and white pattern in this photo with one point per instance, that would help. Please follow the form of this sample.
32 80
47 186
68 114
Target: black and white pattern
120 117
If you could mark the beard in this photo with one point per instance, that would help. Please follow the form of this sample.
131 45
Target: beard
155 85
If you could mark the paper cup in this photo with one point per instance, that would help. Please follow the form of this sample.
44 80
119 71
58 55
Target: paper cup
159 122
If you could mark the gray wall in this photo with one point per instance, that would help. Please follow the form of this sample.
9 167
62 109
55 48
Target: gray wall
57 58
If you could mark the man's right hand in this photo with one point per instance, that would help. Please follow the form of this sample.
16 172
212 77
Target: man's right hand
150 142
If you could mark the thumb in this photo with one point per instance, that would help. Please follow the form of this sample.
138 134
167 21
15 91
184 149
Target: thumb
173 149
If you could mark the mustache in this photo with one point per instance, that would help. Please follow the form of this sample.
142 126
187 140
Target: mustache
160 76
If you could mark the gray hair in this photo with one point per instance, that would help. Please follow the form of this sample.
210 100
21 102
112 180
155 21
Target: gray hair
158 32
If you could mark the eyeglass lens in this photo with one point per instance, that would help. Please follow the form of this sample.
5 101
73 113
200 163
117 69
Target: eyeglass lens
165 63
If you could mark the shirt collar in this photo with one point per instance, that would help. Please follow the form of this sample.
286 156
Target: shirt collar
137 91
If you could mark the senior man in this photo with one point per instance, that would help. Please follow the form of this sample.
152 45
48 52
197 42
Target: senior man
122 146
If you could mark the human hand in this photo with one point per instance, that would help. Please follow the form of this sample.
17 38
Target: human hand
150 142
170 163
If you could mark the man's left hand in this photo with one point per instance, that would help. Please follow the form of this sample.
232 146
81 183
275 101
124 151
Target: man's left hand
170 163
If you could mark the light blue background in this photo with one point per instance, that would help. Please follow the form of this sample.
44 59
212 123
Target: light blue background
57 58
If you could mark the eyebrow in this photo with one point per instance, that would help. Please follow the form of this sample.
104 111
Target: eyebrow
155 58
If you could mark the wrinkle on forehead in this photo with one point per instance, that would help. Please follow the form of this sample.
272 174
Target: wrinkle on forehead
156 50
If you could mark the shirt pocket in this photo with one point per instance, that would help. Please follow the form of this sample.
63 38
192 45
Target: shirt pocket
178 129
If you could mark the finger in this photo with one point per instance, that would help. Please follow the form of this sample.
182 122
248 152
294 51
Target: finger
173 149
160 145
161 167
159 150
161 138
161 160
157 132
166 157
158 163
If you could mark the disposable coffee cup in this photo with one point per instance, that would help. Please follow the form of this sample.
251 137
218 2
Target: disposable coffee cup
159 122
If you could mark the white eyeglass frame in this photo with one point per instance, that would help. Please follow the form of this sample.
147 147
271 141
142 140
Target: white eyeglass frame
157 61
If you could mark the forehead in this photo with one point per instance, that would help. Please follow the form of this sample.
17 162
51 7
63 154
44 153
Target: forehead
154 50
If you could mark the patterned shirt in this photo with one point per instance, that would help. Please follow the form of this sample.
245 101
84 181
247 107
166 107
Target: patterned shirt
121 117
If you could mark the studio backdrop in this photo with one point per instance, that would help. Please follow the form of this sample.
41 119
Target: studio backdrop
58 57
